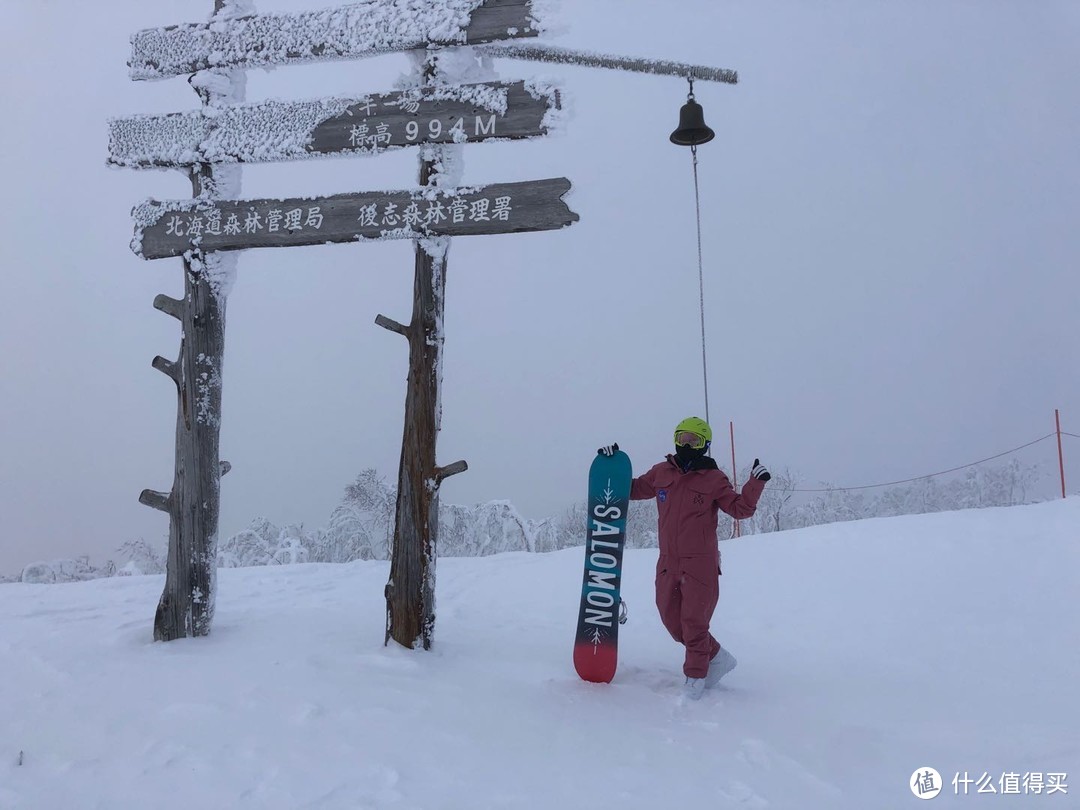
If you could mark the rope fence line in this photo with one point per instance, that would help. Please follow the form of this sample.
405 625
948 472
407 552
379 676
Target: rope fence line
1066 433
942 472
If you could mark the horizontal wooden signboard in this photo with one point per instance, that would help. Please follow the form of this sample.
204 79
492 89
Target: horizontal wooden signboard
347 32
164 229
280 130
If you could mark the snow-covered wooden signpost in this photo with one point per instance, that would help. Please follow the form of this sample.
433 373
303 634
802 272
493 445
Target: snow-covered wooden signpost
451 98
203 143
166 229
279 130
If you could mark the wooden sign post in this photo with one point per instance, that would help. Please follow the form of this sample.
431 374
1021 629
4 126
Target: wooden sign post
202 229
435 115
186 607
410 590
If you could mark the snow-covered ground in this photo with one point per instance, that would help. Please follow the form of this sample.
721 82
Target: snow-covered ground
866 650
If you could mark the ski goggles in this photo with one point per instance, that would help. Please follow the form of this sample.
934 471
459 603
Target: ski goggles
692 439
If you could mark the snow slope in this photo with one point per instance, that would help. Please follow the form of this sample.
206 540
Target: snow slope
866 650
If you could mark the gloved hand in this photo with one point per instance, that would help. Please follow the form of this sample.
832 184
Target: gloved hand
759 472
608 449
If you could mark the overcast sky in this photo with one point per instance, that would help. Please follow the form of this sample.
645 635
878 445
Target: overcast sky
891 268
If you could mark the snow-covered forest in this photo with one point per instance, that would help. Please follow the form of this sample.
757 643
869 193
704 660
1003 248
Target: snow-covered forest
361 527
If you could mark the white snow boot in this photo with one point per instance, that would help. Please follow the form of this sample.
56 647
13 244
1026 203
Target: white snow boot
722 663
694 688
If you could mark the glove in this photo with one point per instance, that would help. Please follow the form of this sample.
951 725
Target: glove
759 472
608 449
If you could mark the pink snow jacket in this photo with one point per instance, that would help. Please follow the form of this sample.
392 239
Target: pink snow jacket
688 504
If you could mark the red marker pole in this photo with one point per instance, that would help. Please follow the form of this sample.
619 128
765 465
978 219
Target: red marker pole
734 475
1061 458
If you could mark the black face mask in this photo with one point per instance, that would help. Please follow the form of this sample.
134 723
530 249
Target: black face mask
686 454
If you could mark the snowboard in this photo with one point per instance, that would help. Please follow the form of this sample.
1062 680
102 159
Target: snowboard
596 644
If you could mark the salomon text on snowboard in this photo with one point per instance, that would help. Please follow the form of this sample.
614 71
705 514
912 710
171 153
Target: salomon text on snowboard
596 643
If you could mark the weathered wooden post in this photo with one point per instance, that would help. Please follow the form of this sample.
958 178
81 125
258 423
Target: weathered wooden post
410 591
186 607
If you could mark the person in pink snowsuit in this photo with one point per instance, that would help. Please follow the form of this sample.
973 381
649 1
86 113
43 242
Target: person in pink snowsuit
690 490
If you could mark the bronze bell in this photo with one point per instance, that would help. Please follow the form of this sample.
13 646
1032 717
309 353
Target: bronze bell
692 129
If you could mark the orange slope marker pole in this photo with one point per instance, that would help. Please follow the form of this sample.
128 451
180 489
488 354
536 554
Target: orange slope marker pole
1061 458
737 531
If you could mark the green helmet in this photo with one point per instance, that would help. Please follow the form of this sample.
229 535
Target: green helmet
695 425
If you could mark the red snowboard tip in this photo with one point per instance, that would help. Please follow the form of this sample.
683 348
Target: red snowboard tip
595 663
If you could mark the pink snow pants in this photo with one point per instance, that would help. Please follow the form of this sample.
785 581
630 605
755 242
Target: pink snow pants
687 591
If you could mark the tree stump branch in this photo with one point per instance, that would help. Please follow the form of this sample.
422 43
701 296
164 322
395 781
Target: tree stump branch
168 368
392 325
170 306
155 500
442 473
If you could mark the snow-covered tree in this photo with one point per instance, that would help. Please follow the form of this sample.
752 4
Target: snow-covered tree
291 547
641 524
489 528
774 509
362 525
70 570
567 529
254 545
139 557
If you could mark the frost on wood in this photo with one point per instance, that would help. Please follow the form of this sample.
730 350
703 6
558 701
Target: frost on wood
239 8
218 269
557 116
347 32
278 130
219 87
447 165
453 66
207 386
437 249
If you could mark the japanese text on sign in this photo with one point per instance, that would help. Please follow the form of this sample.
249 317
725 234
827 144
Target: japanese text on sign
211 222
418 213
